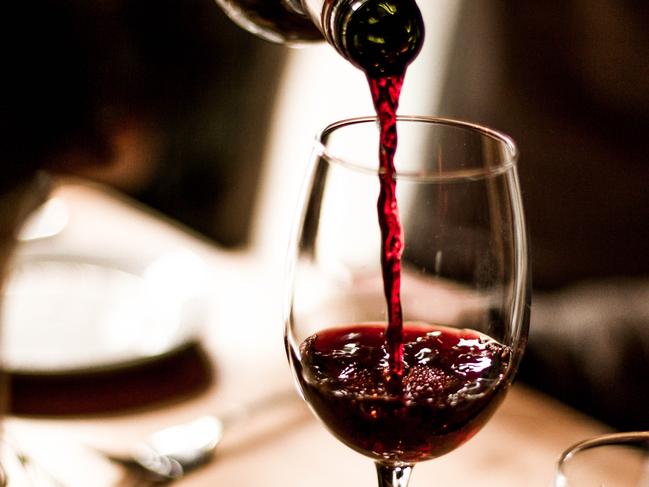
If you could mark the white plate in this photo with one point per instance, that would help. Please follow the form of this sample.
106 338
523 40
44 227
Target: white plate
70 314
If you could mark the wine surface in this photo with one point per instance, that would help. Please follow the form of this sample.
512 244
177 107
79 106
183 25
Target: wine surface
452 382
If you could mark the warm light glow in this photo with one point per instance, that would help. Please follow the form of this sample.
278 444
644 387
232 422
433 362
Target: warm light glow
48 220
319 87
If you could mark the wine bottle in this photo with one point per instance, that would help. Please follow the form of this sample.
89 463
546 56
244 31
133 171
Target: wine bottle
378 36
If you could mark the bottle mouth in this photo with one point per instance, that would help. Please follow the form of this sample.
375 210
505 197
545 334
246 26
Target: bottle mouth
381 37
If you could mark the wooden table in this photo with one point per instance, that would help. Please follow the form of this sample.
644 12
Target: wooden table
243 338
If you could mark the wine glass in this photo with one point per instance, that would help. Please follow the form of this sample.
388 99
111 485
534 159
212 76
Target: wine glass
407 390
611 460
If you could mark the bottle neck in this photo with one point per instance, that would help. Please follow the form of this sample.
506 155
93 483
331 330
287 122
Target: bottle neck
379 36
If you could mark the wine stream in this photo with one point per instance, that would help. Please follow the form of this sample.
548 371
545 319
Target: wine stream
382 39
385 95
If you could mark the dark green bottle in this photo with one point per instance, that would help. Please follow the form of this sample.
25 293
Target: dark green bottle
378 36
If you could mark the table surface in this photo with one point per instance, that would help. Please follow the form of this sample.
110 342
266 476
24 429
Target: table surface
285 446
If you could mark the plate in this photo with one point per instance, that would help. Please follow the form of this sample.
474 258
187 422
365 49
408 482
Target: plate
71 314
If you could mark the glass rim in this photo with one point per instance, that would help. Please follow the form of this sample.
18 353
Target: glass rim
456 175
607 439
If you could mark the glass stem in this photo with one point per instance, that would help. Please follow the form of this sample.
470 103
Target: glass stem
393 475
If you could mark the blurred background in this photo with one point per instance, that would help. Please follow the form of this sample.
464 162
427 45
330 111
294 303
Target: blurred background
196 116
173 105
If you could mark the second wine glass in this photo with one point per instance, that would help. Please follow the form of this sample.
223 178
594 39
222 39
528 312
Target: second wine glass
611 460
411 388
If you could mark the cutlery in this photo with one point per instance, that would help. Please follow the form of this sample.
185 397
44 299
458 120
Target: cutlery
171 452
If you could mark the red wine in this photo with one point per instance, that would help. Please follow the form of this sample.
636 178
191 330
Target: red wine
382 38
385 93
452 382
